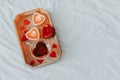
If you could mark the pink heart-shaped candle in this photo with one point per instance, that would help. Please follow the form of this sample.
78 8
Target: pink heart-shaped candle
38 19
33 34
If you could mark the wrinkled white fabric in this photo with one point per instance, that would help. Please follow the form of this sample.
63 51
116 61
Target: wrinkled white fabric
88 31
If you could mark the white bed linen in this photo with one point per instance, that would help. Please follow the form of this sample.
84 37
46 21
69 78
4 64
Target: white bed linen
88 31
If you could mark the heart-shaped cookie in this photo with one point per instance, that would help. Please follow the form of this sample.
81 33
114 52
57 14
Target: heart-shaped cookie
33 34
38 19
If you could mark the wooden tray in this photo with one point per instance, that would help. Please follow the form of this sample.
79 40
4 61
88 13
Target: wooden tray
33 28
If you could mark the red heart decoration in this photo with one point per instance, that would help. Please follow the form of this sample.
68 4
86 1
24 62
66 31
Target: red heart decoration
48 31
24 38
25 31
53 54
32 63
40 61
26 22
54 45
22 28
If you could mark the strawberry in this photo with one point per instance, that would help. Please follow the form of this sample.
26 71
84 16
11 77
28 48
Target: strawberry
24 38
48 31
53 54
54 45
25 31
22 28
26 22
32 63
40 60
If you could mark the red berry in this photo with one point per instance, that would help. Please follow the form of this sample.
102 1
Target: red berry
54 45
24 38
25 31
53 54
40 61
26 22
32 63
22 28
48 31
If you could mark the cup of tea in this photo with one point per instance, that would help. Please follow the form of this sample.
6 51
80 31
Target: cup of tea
40 49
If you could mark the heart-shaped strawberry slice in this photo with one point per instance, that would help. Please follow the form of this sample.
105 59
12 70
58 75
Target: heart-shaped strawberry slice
25 31
33 34
38 19
32 63
53 54
22 28
24 38
40 61
54 45
48 31
26 22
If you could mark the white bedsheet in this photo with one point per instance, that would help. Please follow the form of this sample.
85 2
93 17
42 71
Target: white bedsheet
88 31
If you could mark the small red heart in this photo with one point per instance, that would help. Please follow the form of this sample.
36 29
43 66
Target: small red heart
24 38
22 28
32 63
26 22
54 45
25 31
53 54
40 61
